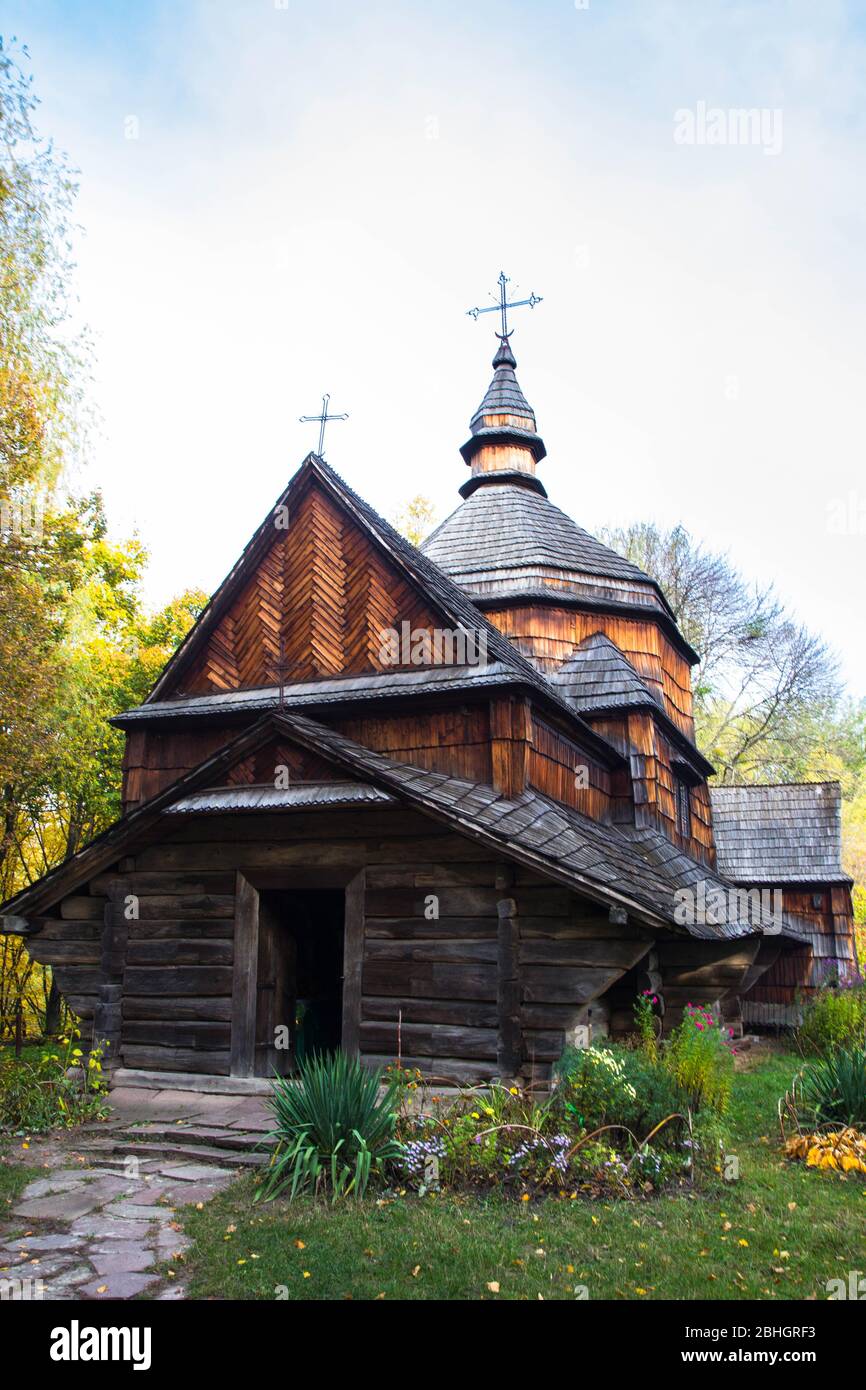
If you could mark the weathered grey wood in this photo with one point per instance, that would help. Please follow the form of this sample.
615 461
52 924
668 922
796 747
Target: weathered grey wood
179 952
180 906
107 1020
411 902
310 823
165 884
432 876
455 1012
215 1062
176 1033
188 1008
578 929
68 952
84 1005
246 954
420 929
442 1070
433 1040
180 979
276 994
543 1045
480 952
52 929
314 876
353 961
249 856
565 985
549 1015
620 954
82 909
189 931
431 980
509 1040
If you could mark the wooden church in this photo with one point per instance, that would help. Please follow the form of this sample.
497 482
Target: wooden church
440 804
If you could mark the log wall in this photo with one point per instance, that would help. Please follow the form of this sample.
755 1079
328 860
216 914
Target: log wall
824 913
456 741
466 962
651 757
561 769
549 635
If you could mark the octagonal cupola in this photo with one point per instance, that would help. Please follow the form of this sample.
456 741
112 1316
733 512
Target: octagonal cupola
503 441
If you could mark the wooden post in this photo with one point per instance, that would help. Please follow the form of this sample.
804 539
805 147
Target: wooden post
19 1028
510 1042
108 1014
245 978
510 739
353 963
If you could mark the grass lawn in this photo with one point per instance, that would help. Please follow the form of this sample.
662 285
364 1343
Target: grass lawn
14 1177
780 1232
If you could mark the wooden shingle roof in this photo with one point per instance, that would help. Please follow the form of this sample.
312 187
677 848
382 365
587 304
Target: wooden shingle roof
598 677
788 833
504 395
318 694
638 872
508 538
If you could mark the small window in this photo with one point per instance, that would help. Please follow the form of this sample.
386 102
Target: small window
684 809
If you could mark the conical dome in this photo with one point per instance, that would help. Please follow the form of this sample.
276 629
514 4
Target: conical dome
503 436
507 539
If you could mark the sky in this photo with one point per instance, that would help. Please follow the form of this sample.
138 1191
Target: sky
280 199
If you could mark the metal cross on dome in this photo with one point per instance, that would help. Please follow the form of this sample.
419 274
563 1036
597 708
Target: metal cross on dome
323 419
505 304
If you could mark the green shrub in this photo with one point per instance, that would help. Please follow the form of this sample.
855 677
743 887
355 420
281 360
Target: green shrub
835 1018
335 1128
593 1088
832 1090
59 1086
657 1096
699 1059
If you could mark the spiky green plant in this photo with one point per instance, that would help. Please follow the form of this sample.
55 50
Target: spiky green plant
334 1128
834 1088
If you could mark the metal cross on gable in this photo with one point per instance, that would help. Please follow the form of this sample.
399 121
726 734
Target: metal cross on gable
505 304
323 419
280 667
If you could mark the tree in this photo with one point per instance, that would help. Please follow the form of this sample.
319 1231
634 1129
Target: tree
766 690
767 698
415 519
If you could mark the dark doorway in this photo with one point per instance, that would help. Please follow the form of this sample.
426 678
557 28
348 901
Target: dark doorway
299 989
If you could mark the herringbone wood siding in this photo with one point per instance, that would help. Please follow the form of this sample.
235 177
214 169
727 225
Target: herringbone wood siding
324 590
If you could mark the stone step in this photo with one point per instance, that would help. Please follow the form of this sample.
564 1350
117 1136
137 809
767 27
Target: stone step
220 1138
190 1081
202 1153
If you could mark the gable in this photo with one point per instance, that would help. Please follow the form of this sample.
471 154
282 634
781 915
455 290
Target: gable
278 763
321 593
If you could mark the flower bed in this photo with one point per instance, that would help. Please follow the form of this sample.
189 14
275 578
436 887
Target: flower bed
620 1120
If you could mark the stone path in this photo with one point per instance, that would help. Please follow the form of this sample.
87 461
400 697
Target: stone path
109 1208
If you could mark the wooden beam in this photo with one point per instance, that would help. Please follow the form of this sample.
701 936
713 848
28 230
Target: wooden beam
246 956
510 1043
107 1019
353 962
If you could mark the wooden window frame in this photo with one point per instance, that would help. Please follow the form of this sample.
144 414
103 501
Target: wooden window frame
684 808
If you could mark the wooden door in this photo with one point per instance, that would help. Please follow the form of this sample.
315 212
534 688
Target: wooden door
276 997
